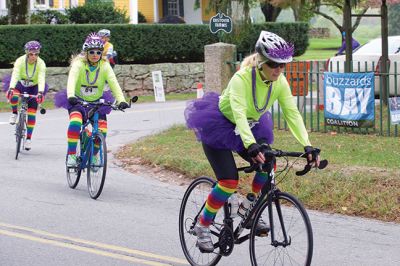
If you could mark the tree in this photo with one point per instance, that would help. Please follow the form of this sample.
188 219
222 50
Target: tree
359 7
17 11
270 11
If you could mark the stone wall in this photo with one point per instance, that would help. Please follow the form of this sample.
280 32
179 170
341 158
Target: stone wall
137 79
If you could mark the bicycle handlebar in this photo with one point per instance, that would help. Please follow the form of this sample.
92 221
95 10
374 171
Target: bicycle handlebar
113 105
279 153
30 97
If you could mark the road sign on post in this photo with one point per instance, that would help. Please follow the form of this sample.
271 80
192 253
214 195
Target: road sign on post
221 22
158 86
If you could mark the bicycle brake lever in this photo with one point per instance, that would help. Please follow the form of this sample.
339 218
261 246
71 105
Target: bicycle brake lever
306 169
252 168
323 164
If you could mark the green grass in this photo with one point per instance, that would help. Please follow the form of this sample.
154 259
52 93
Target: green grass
322 49
168 97
5 106
362 178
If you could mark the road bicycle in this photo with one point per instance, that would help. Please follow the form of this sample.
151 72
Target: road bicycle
20 126
92 150
289 240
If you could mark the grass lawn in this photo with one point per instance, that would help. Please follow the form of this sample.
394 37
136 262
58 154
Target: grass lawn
363 176
321 49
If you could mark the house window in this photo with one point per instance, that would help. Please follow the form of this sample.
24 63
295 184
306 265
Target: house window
51 3
173 7
40 2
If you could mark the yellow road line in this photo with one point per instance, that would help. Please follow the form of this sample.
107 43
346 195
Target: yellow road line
80 248
97 244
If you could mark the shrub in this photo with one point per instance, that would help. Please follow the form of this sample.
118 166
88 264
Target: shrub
3 20
172 20
96 12
46 17
141 18
245 36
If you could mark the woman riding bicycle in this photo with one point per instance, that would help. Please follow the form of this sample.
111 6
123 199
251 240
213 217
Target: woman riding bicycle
86 80
28 76
238 121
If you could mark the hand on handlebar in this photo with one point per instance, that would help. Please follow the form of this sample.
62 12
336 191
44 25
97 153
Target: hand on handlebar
73 100
40 98
313 158
123 105
255 152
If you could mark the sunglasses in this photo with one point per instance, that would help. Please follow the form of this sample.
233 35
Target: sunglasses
273 64
95 52
33 54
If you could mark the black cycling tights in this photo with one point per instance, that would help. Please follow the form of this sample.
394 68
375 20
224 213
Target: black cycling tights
223 163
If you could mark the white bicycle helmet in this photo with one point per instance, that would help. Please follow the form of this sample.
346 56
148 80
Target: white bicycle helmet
274 48
104 33
93 41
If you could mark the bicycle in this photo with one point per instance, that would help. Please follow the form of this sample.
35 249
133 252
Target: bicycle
20 126
290 231
92 150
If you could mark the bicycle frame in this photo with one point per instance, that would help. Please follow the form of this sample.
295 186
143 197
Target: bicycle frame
88 141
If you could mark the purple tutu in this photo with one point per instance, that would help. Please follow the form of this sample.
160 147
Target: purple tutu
214 129
5 83
61 101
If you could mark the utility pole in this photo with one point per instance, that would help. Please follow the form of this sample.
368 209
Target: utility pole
348 30
385 57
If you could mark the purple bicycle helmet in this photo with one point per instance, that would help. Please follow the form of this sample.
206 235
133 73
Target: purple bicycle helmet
32 46
274 48
93 41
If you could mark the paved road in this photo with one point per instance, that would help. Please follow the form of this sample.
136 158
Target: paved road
134 222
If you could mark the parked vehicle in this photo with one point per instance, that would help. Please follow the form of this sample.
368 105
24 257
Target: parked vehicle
367 58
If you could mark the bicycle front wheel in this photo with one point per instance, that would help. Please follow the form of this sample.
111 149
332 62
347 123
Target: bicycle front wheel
19 134
97 166
290 240
191 207
74 173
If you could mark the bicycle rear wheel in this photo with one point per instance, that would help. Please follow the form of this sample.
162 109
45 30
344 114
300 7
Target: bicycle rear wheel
291 228
74 173
97 166
19 134
192 205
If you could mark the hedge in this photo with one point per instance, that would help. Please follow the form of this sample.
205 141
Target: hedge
139 44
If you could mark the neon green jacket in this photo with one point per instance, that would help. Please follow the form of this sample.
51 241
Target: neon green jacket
80 78
236 103
19 73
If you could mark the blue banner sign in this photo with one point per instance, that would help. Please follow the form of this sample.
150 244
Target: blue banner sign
394 106
220 22
349 99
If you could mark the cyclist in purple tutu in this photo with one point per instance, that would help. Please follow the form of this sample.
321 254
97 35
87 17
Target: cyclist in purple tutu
86 81
28 76
239 121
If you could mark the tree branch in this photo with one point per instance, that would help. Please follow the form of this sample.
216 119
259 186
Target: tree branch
328 18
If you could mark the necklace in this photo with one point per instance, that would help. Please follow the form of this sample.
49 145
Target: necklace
26 69
95 78
254 88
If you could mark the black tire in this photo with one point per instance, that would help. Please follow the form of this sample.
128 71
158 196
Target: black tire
192 203
74 173
298 230
96 171
19 134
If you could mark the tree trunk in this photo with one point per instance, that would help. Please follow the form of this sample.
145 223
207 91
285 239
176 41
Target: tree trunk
270 12
18 11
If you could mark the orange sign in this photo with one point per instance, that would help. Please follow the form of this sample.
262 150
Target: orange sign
297 75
